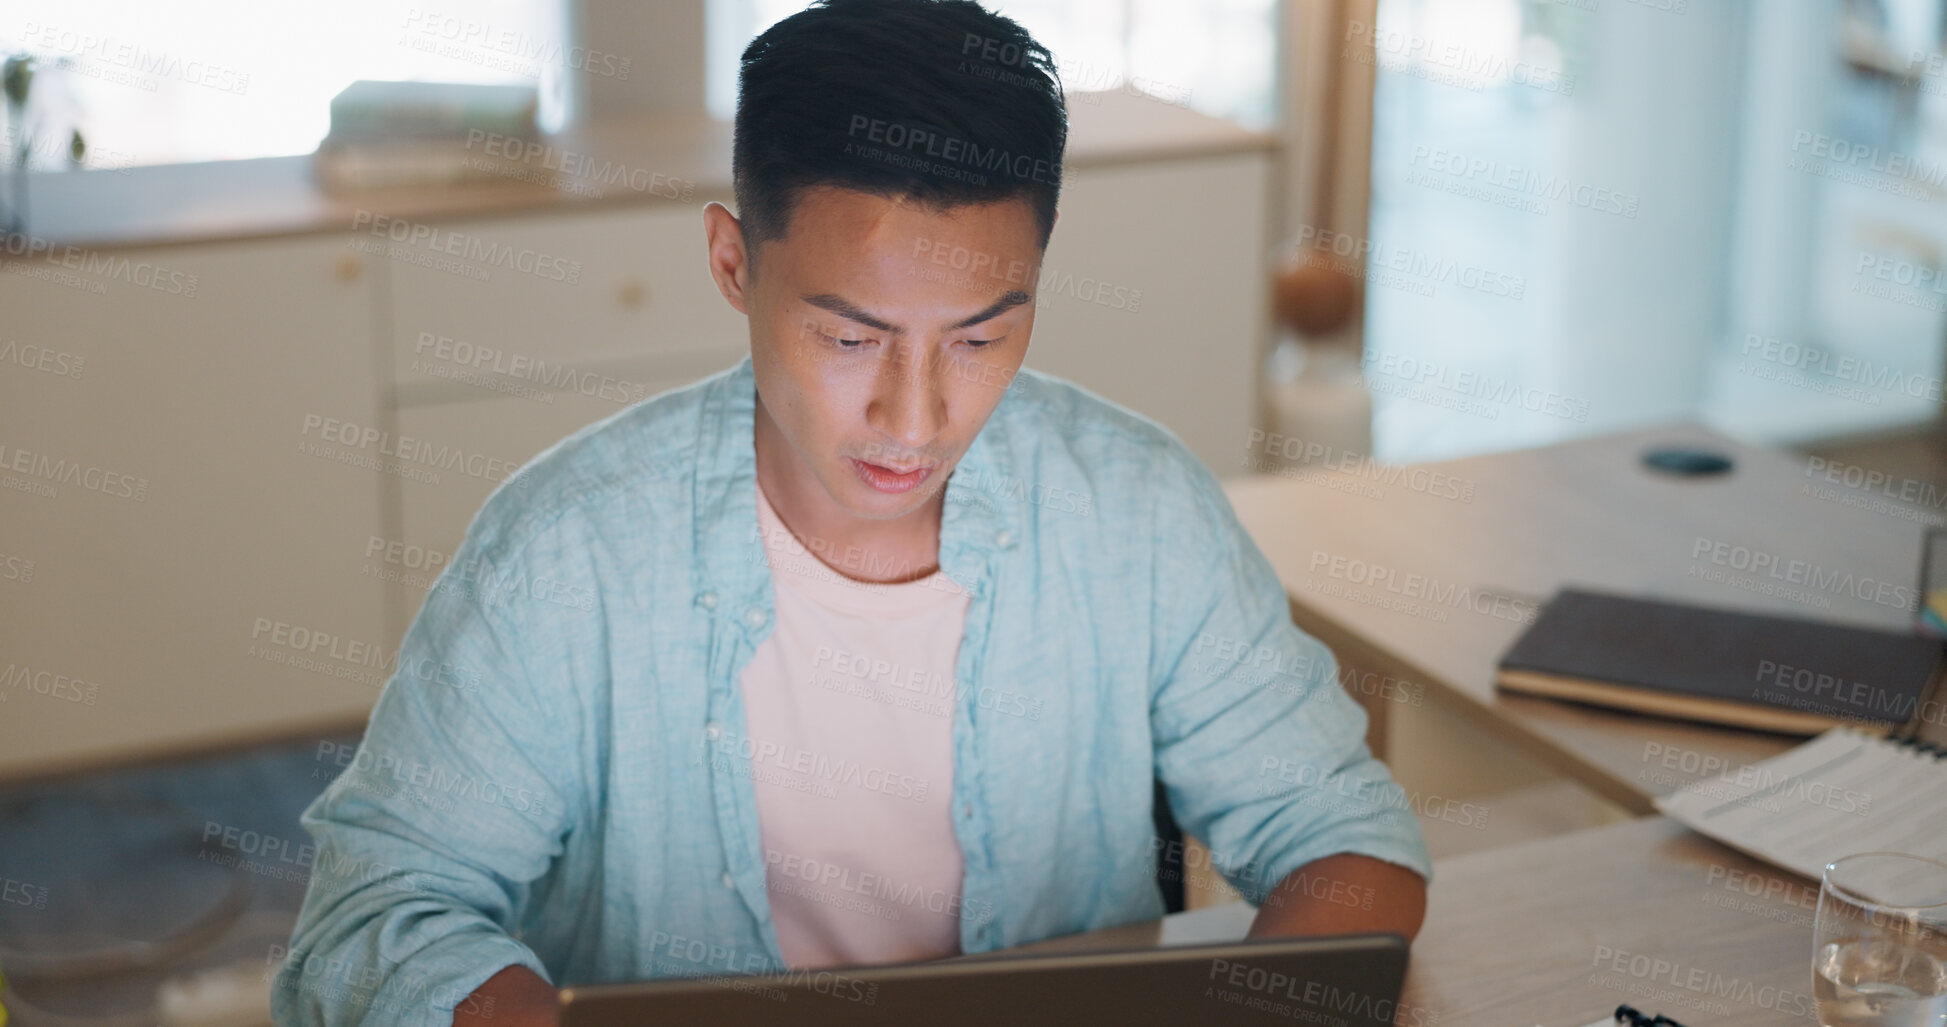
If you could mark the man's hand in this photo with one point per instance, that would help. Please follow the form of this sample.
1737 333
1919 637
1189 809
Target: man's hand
1343 894
514 997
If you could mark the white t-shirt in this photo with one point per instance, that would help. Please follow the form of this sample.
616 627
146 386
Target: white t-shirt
849 706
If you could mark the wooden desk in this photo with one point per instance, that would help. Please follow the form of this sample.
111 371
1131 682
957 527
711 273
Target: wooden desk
1559 932
1585 512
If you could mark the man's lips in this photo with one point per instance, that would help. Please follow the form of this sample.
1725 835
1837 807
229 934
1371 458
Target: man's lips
891 479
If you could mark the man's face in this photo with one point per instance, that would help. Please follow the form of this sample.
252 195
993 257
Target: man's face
884 333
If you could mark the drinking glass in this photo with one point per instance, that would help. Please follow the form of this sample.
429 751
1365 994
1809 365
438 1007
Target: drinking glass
1879 945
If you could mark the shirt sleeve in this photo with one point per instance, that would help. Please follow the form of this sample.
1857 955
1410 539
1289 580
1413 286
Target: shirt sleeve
426 843
1261 751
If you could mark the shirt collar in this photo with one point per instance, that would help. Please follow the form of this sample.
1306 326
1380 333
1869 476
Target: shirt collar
974 524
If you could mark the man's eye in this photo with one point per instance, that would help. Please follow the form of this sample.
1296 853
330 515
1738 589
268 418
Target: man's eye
846 343
978 343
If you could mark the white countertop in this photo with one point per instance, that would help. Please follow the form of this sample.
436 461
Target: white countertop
273 196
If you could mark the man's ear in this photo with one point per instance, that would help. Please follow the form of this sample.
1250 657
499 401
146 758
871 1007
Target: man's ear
729 260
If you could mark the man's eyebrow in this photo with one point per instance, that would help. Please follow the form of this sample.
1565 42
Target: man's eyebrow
853 312
1008 301
848 310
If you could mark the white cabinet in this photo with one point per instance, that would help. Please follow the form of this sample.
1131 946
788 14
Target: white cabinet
1153 294
195 542
224 468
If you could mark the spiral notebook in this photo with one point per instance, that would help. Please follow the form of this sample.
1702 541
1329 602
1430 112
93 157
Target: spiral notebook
1841 793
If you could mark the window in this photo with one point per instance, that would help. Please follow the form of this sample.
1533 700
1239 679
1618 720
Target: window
1593 216
1215 56
197 80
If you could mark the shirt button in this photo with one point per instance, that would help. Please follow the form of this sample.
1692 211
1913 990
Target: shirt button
713 731
728 881
1004 538
707 600
754 617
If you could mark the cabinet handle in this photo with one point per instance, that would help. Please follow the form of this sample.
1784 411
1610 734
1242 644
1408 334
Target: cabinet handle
349 267
631 294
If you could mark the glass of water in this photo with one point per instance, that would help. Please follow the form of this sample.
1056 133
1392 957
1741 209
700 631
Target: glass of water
1879 946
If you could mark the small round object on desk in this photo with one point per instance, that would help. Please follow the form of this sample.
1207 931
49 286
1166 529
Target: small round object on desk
1686 462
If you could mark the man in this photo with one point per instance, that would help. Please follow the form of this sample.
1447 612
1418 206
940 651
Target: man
868 649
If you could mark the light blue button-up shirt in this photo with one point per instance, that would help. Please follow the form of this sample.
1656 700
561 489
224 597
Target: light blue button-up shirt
556 774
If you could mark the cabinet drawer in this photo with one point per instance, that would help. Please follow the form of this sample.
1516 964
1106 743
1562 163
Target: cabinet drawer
434 514
175 532
549 303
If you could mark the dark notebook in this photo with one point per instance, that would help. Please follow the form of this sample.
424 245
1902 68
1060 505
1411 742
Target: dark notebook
1723 666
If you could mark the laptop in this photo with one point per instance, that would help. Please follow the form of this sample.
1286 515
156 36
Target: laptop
1348 980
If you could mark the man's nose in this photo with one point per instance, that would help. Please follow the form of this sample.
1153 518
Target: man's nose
907 406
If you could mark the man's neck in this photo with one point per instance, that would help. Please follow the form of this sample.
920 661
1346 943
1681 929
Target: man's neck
904 548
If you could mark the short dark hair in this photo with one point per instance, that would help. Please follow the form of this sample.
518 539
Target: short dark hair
939 101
